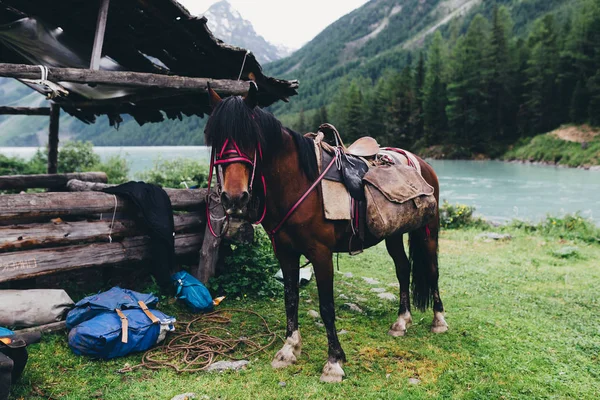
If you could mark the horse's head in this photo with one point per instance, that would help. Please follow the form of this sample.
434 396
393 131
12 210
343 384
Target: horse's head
235 137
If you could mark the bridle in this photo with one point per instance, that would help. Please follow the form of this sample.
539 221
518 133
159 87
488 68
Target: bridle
230 153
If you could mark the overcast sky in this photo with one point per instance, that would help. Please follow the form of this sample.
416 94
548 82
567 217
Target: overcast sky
288 22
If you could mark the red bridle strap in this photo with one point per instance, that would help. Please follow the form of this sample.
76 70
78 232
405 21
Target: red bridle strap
238 156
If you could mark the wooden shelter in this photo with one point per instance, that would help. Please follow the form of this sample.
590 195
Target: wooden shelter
149 59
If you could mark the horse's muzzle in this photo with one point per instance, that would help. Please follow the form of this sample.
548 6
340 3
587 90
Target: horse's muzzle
235 205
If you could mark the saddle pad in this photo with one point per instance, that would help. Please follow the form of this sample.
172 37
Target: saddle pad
398 183
336 199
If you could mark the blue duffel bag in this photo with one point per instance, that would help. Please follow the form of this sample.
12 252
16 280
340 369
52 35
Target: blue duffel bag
119 333
192 292
115 298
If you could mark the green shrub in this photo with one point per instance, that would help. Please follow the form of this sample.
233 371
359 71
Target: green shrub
249 270
454 216
178 173
18 166
76 156
570 226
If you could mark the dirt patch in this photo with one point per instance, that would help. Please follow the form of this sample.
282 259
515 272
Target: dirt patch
579 134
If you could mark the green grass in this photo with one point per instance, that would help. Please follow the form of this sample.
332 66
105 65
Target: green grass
550 149
522 326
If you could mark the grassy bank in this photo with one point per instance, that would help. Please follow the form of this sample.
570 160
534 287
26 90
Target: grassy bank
570 146
522 325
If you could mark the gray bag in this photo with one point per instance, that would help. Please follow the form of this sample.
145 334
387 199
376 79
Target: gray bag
33 307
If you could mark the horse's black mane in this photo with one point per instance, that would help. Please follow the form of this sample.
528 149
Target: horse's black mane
232 118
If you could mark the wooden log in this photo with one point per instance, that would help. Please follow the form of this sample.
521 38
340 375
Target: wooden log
16 207
99 35
30 264
209 253
185 200
24 237
48 181
53 139
24 110
224 87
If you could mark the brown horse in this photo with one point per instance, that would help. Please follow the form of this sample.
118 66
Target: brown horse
252 150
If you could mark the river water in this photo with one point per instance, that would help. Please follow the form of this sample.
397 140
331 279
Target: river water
499 191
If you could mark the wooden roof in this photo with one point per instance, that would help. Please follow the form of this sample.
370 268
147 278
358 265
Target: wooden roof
138 33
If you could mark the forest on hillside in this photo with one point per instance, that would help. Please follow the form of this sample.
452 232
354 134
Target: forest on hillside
479 90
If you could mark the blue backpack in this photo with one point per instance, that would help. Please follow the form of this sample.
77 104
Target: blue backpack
192 292
104 337
5 332
115 298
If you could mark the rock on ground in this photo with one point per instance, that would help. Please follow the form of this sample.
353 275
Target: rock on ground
378 290
353 307
225 365
414 381
387 296
494 236
184 396
313 313
348 275
371 281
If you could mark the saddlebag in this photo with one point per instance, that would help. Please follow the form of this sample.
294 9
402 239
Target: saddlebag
399 200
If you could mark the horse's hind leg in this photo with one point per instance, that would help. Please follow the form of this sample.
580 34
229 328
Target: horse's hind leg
290 351
395 247
425 274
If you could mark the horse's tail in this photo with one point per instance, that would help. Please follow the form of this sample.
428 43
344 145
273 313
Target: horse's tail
424 262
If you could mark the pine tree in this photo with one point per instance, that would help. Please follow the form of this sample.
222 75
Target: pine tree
503 104
542 95
468 107
301 124
434 93
418 91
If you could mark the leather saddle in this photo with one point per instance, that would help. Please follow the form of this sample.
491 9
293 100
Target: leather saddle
364 147
351 172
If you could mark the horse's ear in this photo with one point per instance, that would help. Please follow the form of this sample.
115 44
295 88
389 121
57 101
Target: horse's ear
251 98
213 96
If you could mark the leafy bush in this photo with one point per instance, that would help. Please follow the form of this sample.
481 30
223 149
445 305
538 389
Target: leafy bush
76 156
18 166
249 270
178 173
571 227
454 216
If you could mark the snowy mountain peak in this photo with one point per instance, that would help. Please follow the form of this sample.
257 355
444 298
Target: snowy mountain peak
227 24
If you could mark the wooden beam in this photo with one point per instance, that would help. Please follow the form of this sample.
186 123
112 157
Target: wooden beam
48 181
99 36
53 139
4 110
33 263
49 234
18 207
125 78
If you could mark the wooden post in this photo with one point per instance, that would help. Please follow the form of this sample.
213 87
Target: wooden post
53 139
99 37
209 253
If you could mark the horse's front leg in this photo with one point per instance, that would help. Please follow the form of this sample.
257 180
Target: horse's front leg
321 259
290 266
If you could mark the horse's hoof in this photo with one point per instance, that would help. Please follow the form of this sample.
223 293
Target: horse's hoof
289 353
283 358
439 324
399 327
332 372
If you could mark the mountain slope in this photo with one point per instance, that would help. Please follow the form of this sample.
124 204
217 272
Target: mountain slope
227 24
380 35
